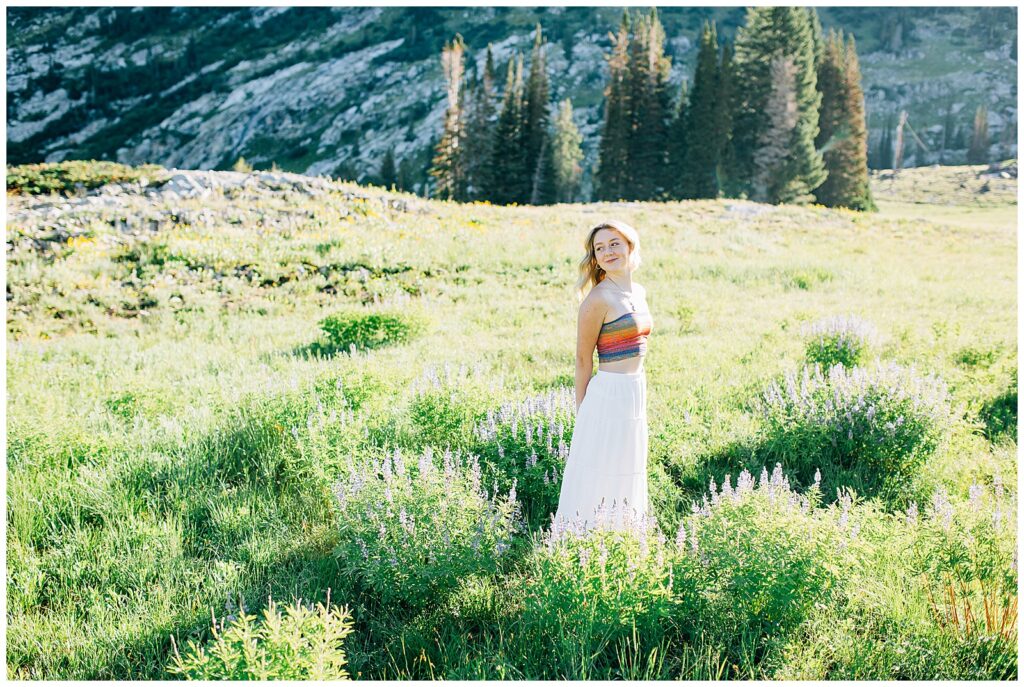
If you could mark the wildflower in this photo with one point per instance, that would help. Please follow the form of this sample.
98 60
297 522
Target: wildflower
912 514
817 478
974 496
681 535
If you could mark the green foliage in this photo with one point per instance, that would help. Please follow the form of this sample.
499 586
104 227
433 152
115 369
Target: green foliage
302 643
843 132
412 533
611 179
842 341
528 442
567 154
767 553
371 330
776 107
870 427
999 414
704 134
584 595
511 177
449 164
73 175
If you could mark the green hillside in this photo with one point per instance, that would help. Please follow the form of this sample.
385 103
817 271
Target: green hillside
187 435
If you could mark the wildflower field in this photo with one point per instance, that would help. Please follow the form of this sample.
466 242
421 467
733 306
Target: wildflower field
262 425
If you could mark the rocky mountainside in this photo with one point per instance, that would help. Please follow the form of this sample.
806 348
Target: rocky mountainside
328 90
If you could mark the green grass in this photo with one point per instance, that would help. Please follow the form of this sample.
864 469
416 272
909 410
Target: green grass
166 452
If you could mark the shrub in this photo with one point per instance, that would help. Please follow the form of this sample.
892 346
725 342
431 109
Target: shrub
744 568
528 441
48 177
839 340
967 558
585 592
303 643
871 426
363 330
411 533
768 555
999 414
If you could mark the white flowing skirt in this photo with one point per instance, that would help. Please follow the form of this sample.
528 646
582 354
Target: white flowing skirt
605 479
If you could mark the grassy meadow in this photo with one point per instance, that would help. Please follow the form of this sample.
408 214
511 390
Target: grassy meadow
186 440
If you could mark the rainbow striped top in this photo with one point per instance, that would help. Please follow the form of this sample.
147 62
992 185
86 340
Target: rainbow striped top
624 337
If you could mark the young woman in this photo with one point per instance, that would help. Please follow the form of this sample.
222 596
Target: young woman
605 479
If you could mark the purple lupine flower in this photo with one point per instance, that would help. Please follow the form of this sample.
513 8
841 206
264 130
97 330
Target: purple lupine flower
681 535
912 514
975 493
584 557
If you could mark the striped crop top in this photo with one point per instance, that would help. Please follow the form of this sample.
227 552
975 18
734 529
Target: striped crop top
624 337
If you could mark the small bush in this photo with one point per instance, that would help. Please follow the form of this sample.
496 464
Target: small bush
768 557
303 643
69 176
871 426
411 533
586 592
999 414
839 341
371 330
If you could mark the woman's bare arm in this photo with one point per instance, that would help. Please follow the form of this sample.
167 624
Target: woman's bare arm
592 314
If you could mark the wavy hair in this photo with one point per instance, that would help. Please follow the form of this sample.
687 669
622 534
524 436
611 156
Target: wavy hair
591 274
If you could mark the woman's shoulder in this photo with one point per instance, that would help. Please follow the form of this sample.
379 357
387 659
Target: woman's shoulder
595 300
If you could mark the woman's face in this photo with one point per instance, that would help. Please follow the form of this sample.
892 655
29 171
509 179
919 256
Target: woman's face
611 250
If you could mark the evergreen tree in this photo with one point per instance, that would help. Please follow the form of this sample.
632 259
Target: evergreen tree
610 177
843 133
699 178
978 152
449 159
677 144
544 190
480 119
511 179
567 154
388 174
769 35
537 123
772 153
649 109
724 112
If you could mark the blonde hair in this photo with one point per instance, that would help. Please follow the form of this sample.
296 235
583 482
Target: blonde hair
591 274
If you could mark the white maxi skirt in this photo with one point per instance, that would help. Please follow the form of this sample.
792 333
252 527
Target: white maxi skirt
605 478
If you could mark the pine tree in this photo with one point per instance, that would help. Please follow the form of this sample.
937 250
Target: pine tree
610 177
726 98
699 178
567 154
843 133
480 119
511 179
650 110
771 33
449 158
978 152
388 174
537 124
772 154
677 144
